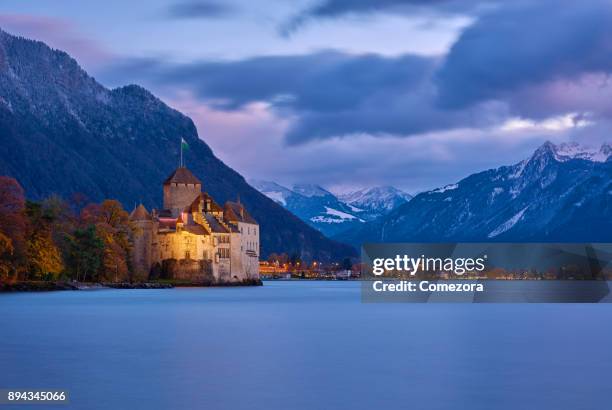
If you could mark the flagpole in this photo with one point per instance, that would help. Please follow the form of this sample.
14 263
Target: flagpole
181 163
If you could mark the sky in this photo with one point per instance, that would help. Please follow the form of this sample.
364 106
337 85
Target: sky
352 93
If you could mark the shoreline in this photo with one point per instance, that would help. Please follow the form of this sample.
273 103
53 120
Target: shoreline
49 286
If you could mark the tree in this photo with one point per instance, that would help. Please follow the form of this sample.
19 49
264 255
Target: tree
85 253
42 256
59 213
114 228
78 201
63 221
6 253
12 224
12 205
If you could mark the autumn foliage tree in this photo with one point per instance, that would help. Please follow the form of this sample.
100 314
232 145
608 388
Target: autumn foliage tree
49 240
12 228
114 228
42 256
6 253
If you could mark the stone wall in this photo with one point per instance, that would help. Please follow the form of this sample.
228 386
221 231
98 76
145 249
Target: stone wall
179 196
188 270
142 257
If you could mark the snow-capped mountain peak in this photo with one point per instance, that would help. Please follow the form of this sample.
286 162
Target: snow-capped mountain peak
272 190
572 150
331 213
310 190
379 199
561 193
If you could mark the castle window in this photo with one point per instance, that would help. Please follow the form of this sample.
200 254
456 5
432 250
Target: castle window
223 253
187 255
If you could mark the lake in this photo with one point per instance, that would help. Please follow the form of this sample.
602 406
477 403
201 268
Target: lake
302 345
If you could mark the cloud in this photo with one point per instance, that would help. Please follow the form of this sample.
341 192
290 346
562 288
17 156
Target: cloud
525 61
526 44
537 58
339 8
57 33
517 73
421 162
326 94
199 9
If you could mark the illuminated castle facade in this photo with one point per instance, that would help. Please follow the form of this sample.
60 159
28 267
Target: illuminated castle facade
193 238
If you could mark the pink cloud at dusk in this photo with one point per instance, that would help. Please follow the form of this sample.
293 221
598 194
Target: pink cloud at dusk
588 93
60 34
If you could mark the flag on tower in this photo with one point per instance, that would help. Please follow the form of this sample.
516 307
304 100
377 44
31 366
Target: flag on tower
184 146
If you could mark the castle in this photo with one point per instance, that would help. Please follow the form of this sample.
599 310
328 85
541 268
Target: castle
192 238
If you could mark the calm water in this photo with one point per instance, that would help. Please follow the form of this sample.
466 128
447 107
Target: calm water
302 345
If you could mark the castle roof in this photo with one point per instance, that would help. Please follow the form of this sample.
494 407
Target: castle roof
203 197
196 229
140 213
214 207
214 224
195 205
182 176
236 212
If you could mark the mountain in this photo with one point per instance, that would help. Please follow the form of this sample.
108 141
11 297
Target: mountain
312 191
329 213
561 193
372 203
62 132
312 204
272 190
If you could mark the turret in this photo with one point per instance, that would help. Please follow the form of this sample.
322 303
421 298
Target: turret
143 235
180 224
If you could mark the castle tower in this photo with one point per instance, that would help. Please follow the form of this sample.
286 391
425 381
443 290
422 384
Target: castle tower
181 188
143 240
